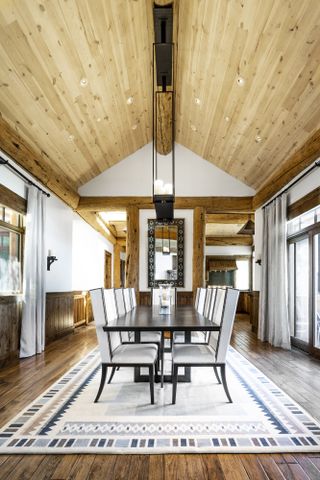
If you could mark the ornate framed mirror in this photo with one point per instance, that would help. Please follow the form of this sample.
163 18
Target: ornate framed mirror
166 252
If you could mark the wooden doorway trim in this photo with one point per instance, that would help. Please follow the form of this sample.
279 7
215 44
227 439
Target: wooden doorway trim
107 269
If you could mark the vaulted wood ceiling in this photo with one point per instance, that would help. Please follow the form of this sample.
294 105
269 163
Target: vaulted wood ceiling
48 46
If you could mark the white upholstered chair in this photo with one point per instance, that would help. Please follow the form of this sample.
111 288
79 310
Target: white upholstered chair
113 352
197 298
211 354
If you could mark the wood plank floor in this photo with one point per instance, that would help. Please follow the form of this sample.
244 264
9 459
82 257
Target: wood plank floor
21 381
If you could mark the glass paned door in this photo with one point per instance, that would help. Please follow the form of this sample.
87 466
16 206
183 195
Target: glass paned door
316 282
299 290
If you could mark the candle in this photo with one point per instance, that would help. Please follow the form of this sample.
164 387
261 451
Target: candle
50 253
158 187
168 188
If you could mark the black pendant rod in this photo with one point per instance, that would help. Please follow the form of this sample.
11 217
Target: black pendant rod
5 162
304 174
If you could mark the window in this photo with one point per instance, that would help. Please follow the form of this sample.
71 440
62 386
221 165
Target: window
11 240
303 221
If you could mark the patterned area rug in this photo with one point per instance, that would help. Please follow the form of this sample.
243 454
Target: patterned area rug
65 420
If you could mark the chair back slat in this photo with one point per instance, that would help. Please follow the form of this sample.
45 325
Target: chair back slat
133 297
202 299
207 302
110 302
197 299
120 301
107 341
228 316
127 299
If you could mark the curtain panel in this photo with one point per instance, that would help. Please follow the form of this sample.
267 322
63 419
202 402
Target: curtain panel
34 275
273 309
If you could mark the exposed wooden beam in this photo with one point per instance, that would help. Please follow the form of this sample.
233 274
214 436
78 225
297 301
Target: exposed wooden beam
122 242
231 240
198 248
132 257
92 220
36 163
300 160
164 122
304 204
116 266
228 218
12 200
211 204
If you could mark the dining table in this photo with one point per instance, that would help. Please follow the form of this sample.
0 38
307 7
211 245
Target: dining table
155 318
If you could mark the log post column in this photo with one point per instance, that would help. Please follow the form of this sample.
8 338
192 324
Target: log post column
198 248
132 249
116 266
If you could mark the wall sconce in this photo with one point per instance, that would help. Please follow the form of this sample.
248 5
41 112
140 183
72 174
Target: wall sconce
50 259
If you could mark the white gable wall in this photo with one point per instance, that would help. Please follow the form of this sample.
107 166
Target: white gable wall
194 177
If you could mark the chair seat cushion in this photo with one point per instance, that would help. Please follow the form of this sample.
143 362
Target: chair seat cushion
150 337
193 354
137 353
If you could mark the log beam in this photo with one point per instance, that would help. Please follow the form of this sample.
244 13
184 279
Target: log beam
37 164
231 240
211 204
199 225
228 218
295 164
116 266
132 249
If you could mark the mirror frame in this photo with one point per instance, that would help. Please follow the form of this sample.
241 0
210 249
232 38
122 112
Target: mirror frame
152 224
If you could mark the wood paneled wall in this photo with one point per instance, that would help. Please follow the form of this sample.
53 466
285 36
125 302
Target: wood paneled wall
64 312
10 326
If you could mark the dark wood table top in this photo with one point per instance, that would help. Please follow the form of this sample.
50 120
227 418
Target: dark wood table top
146 318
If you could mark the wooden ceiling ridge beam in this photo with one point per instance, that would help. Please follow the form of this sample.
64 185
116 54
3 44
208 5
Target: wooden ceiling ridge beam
211 204
294 165
229 240
229 218
37 164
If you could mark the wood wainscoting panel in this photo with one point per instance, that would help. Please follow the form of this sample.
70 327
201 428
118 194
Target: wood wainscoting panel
10 327
183 298
59 314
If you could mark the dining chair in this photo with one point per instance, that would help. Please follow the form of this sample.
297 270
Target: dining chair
121 310
127 299
113 352
207 302
211 354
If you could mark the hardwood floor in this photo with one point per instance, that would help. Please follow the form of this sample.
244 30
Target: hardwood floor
21 381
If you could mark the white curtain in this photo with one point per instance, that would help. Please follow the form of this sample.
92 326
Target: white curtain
273 310
33 308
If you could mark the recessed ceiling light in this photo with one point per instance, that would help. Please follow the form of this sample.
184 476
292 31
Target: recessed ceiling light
83 82
129 100
134 127
98 119
227 119
193 128
197 101
258 139
71 138
240 81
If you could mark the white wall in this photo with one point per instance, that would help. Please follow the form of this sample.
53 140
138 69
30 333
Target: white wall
194 177
188 247
228 250
78 247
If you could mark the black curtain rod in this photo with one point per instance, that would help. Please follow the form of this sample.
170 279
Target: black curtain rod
304 174
5 162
